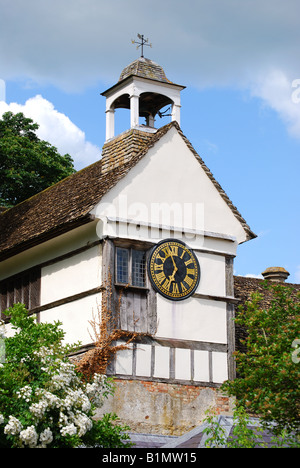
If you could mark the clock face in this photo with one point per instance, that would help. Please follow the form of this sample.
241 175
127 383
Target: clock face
173 269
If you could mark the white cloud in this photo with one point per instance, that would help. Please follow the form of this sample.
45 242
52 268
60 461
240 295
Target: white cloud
210 146
278 92
57 129
205 43
252 275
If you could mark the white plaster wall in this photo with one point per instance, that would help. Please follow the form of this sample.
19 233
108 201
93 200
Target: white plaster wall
162 362
124 360
212 278
201 366
195 240
143 360
219 367
53 248
71 276
182 364
75 317
192 319
165 187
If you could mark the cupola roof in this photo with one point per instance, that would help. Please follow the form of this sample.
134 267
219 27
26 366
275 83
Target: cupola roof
145 68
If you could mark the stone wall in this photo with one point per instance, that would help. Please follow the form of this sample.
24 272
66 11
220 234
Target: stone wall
161 408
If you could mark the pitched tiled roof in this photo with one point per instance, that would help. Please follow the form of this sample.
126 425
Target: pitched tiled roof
67 204
63 204
123 148
244 287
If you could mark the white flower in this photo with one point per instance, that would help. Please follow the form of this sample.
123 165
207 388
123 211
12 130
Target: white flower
29 436
25 358
64 394
95 390
2 329
46 436
43 352
65 377
2 346
38 409
53 400
68 430
86 404
63 419
25 393
13 426
83 422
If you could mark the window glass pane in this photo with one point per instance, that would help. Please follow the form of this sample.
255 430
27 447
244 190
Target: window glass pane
122 266
138 268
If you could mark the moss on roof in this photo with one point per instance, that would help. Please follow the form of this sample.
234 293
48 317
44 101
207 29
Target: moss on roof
144 68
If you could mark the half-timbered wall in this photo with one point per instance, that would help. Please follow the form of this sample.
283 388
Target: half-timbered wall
188 341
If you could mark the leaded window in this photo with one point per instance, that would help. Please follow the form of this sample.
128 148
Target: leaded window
131 267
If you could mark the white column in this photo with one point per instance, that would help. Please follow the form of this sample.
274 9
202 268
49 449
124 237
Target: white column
110 123
151 121
134 110
176 113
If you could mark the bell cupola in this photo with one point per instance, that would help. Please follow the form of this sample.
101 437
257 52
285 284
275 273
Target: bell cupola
144 90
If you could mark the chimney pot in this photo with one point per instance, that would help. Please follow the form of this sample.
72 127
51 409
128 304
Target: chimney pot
277 274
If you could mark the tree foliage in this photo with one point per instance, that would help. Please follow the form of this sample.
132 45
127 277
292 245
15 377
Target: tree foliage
268 372
28 165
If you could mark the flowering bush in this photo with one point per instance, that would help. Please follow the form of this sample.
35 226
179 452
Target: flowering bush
44 403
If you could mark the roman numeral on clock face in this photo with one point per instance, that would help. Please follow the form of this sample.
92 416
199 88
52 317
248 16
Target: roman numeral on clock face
188 280
188 262
160 277
174 250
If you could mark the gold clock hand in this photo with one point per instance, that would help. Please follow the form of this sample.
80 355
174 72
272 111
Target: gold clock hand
173 260
171 277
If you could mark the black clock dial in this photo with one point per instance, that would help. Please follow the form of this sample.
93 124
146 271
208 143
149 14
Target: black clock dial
173 269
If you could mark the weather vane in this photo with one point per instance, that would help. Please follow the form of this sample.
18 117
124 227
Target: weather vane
142 43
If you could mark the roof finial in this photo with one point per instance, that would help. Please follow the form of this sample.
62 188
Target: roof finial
142 43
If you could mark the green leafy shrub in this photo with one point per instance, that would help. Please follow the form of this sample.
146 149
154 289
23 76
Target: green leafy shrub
268 369
44 402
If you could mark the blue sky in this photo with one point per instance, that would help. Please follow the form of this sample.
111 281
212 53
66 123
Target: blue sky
241 109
